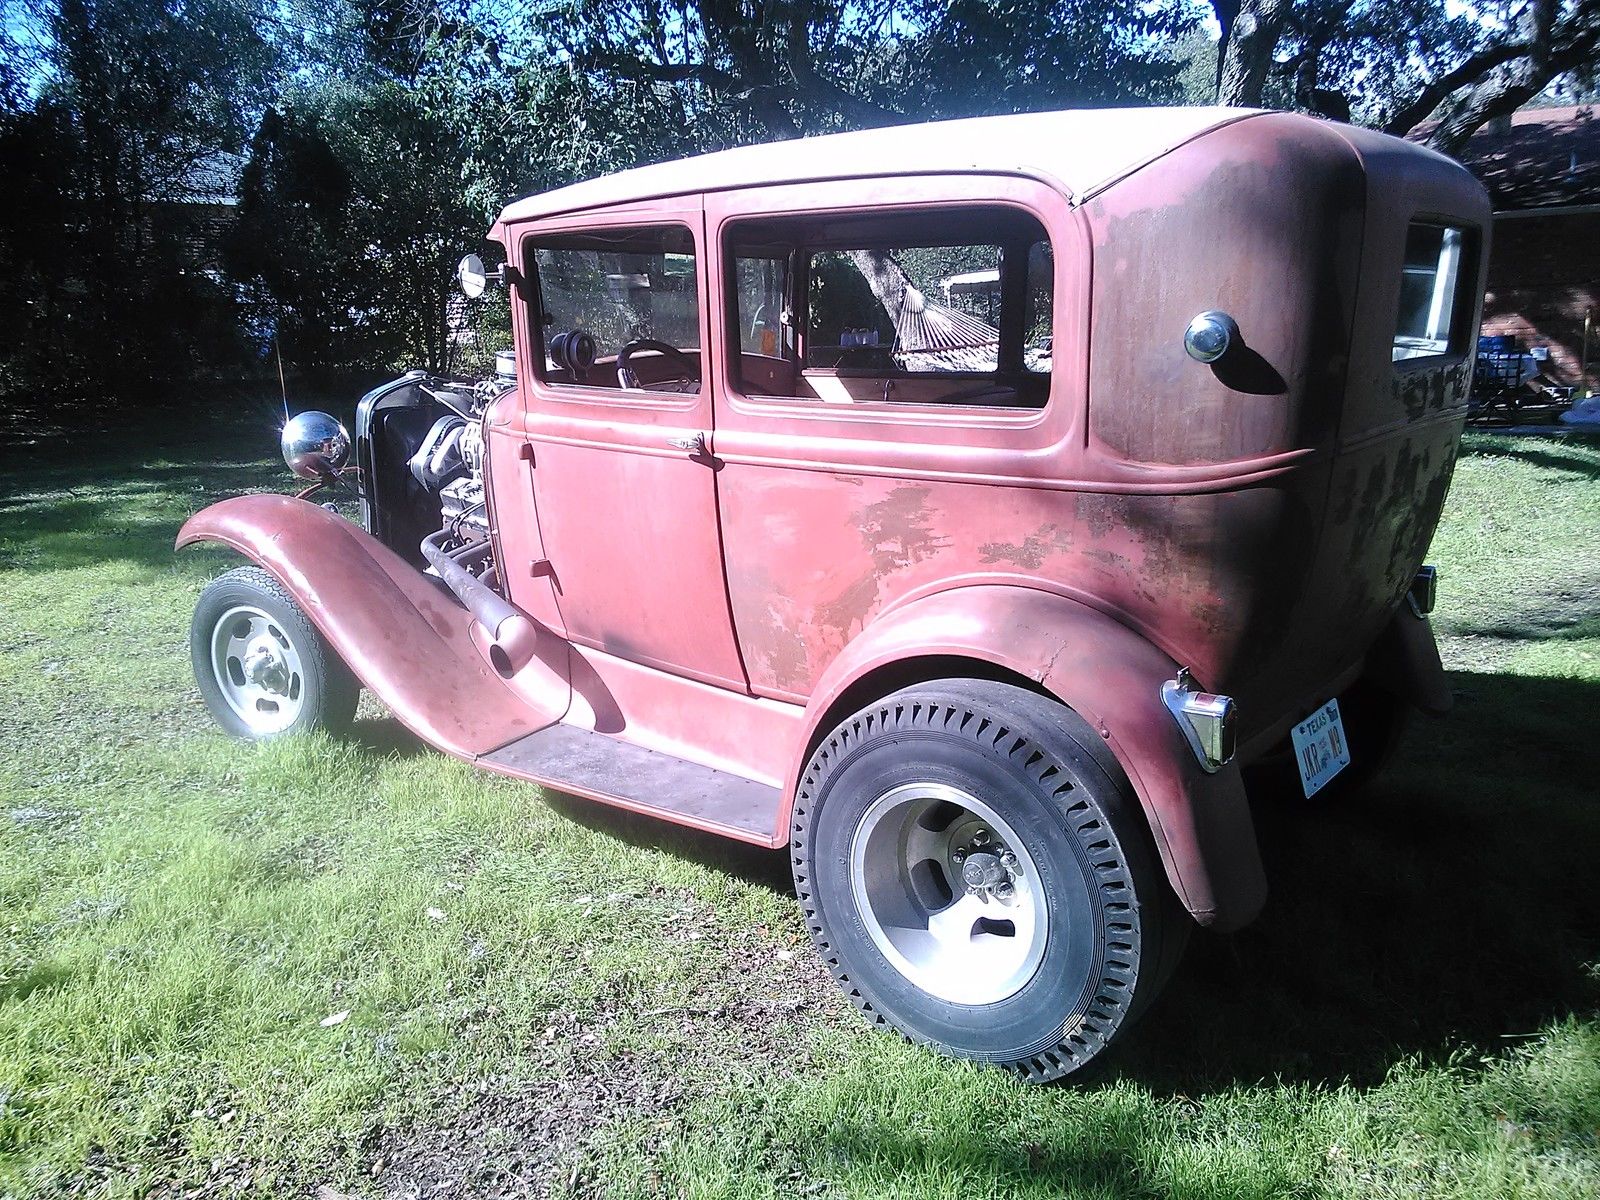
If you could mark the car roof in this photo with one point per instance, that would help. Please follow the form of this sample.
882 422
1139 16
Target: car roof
1079 150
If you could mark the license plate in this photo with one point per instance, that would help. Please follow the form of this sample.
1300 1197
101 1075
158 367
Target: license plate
1320 748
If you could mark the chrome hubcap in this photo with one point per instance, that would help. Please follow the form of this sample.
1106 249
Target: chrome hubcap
257 669
948 893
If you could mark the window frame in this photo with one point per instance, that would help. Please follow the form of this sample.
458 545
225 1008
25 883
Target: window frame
534 356
1467 269
800 256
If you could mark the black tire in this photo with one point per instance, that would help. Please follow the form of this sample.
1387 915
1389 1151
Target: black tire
1114 928
319 685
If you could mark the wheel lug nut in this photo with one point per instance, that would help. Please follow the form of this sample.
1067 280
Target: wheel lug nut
1008 860
980 838
1003 890
958 857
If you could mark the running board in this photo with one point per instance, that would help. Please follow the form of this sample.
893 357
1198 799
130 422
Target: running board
599 767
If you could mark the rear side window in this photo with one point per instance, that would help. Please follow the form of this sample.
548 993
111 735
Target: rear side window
923 307
1434 302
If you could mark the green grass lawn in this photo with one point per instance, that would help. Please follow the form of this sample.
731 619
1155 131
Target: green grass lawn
367 969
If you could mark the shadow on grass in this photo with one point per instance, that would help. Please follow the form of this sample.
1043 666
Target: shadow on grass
385 737
1575 453
44 977
132 517
1451 906
1567 610
1454 905
764 868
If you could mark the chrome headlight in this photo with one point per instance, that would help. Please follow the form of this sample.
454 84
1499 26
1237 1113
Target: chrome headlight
315 445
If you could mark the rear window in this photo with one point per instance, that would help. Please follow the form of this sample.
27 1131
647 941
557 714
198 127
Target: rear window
1434 300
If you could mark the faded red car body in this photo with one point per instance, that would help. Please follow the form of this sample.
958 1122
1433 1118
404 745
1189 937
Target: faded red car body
725 602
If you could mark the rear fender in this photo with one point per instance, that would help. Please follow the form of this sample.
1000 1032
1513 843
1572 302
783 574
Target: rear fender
407 640
1110 676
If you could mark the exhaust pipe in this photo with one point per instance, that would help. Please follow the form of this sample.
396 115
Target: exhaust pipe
513 635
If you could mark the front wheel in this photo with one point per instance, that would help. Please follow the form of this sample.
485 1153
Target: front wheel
977 874
263 668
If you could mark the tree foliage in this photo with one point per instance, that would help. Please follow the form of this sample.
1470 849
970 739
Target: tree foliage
766 68
126 108
367 143
1428 68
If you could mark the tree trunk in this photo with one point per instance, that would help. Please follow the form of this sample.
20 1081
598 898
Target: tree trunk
1245 54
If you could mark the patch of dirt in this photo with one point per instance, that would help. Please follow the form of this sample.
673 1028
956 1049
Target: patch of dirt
537 1138
523 1140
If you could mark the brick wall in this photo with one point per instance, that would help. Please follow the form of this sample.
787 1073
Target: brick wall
1544 276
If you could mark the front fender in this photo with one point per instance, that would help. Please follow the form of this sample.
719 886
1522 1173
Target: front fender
1110 676
407 640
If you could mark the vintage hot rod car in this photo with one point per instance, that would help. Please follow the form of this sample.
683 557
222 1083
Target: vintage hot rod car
960 506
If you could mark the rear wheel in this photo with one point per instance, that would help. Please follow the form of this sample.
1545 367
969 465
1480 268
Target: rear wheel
977 873
263 669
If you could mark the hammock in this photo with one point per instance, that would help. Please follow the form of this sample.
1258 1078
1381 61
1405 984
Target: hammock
928 336
934 337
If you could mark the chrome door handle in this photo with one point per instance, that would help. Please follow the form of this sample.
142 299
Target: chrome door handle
694 445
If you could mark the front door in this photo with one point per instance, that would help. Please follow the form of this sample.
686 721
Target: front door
618 415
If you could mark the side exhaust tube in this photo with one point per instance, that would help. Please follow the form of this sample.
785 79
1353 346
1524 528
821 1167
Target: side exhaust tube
513 635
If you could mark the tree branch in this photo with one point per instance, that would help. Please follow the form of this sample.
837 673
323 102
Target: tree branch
660 72
1499 97
1451 81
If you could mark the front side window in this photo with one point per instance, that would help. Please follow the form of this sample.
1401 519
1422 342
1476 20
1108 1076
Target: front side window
922 307
618 308
1432 291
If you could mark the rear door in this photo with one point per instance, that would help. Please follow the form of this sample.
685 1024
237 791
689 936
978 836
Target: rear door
868 405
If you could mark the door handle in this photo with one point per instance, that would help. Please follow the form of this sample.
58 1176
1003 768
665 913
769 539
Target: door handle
694 445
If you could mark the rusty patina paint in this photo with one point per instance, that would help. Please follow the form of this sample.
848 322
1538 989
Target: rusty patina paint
1257 520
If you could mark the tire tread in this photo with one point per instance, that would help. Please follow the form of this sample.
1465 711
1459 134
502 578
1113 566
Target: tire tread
1143 939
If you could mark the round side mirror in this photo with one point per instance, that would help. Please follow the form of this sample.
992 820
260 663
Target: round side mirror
472 276
315 445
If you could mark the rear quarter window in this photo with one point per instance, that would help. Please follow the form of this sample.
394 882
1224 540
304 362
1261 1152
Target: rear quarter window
1439 269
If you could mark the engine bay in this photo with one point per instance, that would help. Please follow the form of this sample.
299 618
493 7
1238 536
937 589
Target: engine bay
419 444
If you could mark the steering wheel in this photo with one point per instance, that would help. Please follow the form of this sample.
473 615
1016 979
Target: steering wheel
688 372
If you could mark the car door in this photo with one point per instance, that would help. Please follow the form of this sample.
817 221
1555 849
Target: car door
624 490
869 457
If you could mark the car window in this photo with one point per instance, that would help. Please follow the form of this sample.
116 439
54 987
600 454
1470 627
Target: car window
762 285
920 307
617 287
1432 286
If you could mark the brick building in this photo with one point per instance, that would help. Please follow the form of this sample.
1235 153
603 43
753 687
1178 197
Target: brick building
1542 169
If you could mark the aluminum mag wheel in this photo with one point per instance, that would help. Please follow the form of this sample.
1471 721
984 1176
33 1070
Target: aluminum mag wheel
977 874
257 670
262 667
949 893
